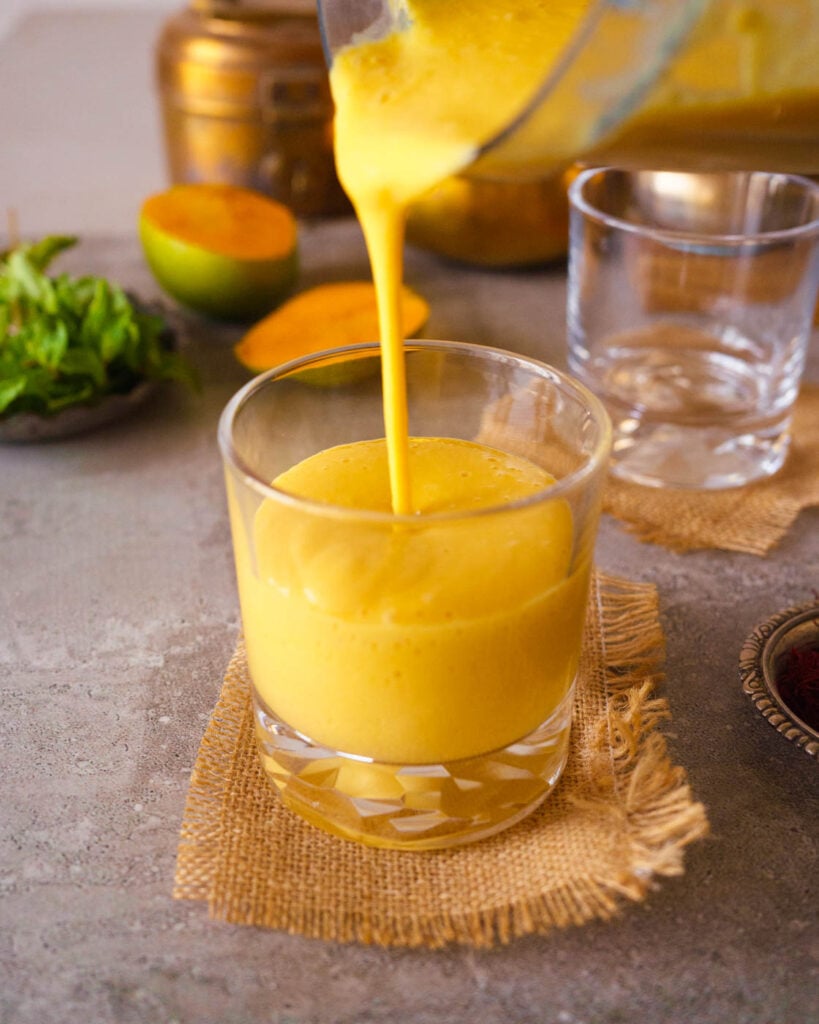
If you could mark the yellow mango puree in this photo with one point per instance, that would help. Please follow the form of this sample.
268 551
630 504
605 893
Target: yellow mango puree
436 638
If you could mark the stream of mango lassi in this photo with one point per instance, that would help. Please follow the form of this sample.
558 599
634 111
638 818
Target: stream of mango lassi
453 78
415 106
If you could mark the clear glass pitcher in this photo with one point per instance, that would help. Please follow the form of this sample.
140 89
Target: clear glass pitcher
707 84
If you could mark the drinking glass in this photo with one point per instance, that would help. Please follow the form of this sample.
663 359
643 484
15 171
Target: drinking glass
413 676
690 310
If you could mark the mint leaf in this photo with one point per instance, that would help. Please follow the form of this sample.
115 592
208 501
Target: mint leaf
49 343
40 254
73 340
84 362
10 388
27 282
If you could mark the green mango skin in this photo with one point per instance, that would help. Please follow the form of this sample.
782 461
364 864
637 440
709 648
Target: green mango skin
220 287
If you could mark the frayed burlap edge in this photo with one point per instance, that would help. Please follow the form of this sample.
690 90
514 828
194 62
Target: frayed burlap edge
643 800
751 520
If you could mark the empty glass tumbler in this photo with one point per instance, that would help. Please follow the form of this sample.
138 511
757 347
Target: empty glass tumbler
690 309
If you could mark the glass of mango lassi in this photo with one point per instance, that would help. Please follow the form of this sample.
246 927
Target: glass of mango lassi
413 674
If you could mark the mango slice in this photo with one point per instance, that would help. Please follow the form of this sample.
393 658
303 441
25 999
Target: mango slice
328 316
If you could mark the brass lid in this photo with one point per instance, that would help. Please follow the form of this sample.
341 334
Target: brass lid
285 35
269 67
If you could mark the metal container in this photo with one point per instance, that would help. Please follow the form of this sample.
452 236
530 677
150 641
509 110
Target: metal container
760 662
245 100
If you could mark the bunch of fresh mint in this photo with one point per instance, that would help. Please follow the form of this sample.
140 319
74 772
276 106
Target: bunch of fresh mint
73 340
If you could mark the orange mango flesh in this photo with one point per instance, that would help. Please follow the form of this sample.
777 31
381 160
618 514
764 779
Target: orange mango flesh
327 316
224 251
224 219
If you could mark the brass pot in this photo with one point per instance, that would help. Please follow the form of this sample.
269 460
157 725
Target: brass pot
245 100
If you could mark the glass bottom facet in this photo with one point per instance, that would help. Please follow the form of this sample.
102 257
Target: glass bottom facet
417 806
701 419
695 458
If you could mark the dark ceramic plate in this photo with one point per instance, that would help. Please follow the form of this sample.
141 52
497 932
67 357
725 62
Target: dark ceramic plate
75 419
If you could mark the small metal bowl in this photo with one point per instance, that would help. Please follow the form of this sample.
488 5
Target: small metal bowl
760 661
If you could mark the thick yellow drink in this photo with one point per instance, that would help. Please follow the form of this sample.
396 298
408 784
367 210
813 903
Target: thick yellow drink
414 642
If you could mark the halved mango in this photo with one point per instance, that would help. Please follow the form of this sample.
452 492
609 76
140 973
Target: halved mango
222 250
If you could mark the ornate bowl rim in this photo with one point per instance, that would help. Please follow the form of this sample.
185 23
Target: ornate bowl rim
756 664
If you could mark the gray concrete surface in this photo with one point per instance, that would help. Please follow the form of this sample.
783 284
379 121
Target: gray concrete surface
118 613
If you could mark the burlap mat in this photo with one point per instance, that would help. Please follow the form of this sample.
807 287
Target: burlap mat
621 815
751 519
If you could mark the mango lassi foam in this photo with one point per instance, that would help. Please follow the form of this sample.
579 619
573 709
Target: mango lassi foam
413 642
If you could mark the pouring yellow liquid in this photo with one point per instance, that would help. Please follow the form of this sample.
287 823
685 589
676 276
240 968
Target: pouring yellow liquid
423 102
412 108
456 77
429 625
405 641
